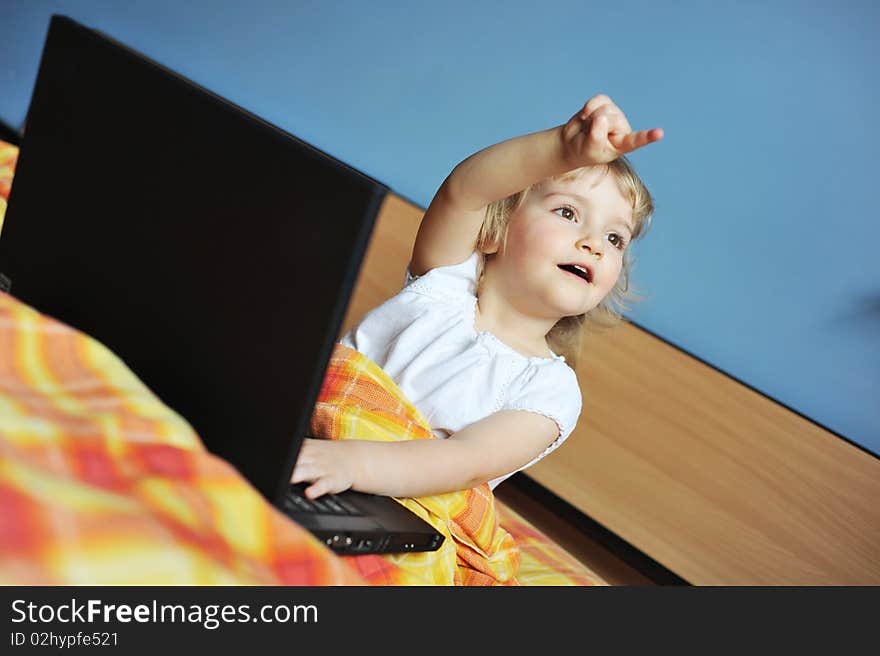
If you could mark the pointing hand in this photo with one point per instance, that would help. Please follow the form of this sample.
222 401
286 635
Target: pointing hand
599 133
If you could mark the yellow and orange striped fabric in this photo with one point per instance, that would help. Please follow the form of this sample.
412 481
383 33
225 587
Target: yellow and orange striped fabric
542 561
8 159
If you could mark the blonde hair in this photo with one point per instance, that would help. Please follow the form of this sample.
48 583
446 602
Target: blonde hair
566 336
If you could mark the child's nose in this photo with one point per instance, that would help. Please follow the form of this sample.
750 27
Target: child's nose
591 246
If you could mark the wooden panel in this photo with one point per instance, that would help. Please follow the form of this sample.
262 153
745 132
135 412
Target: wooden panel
716 482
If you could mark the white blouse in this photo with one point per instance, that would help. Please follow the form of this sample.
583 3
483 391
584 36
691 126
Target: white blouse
424 339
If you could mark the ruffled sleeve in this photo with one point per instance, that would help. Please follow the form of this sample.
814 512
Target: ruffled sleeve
551 390
447 283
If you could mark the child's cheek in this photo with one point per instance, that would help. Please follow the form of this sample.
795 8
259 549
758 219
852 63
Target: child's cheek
544 240
611 278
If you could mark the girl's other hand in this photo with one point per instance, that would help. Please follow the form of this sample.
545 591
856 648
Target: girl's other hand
599 133
329 465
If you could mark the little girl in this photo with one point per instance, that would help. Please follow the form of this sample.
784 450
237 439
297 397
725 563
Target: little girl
522 242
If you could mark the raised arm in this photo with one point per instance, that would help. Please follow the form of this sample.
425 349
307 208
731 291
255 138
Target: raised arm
448 231
481 452
598 133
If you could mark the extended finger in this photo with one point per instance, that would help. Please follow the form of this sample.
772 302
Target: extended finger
626 143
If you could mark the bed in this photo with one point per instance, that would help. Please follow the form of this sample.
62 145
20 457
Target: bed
102 484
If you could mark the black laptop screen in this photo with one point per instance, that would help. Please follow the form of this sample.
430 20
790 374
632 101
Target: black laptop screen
210 251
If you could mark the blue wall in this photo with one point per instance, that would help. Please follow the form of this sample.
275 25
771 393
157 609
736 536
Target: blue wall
762 257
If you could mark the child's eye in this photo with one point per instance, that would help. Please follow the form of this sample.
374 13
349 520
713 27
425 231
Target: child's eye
568 213
617 241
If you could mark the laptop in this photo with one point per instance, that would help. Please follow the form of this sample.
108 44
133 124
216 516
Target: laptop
214 253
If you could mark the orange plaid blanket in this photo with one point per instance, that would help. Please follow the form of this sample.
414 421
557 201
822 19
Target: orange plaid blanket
8 159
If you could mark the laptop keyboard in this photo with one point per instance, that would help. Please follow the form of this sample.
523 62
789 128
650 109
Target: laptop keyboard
329 504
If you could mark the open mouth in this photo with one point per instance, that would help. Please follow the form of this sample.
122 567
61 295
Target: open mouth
578 270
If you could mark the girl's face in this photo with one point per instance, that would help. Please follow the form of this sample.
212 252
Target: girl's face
585 224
